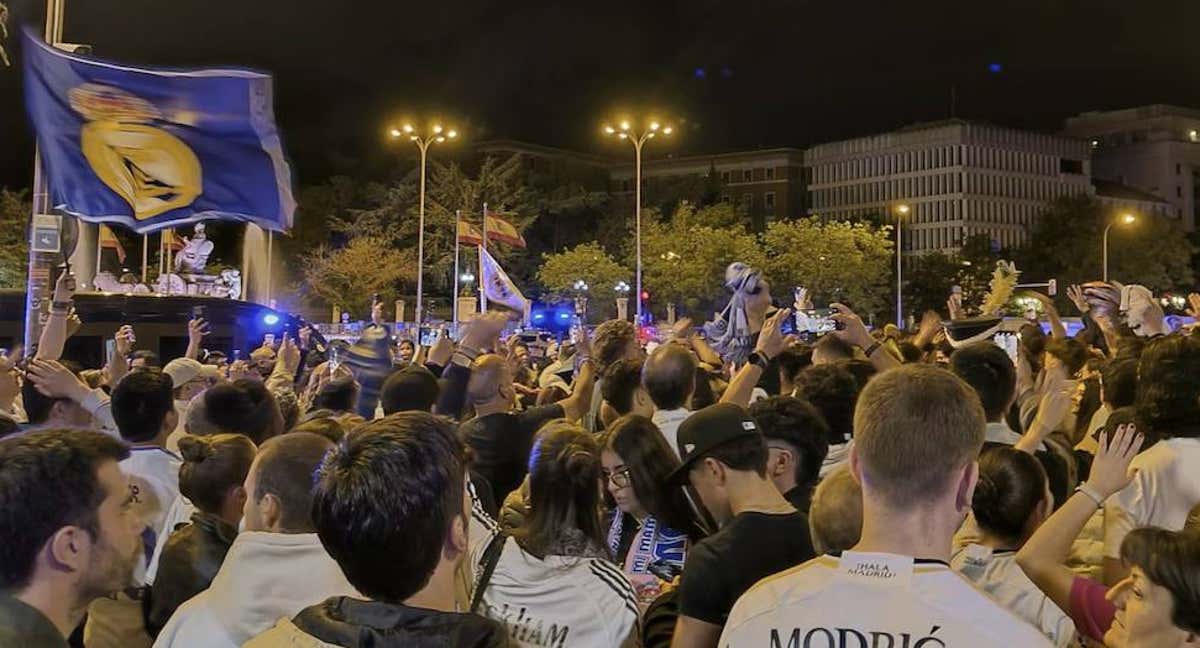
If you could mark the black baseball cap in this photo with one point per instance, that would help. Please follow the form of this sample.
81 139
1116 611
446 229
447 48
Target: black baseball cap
709 428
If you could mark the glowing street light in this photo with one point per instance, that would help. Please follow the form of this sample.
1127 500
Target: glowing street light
901 211
1125 219
423 143
638 139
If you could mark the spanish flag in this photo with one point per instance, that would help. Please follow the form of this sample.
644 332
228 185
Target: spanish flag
171 240
501 230
109 240
468 235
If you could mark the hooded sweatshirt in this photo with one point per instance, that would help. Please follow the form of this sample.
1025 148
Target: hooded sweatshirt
351 623
265 577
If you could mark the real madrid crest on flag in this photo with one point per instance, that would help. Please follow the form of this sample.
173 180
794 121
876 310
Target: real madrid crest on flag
497 287
152 149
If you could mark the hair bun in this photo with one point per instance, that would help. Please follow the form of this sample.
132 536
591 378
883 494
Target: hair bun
579 463
195 449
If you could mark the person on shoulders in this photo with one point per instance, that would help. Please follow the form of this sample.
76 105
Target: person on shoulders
725 461
71 533
401 553
918 431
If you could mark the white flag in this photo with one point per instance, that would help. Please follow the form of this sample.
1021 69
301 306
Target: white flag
497 287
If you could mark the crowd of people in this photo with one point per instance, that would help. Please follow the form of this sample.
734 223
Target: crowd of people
727 486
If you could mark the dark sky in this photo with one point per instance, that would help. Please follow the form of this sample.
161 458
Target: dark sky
743 74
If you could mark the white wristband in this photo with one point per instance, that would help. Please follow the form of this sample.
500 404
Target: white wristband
1091 493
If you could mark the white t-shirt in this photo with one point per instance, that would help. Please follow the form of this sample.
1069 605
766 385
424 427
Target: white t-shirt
997 573
560 601
1162 494
154 482
668 422
872 599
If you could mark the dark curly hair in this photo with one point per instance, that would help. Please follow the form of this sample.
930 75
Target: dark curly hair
799 424
1168 395
833 390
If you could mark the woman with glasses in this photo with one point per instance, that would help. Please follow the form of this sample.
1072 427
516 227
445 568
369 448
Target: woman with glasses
650 526
551 581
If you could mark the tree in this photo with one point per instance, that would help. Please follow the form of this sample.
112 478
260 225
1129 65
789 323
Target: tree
929 277
350 275
15 208
589 262
1066 245
835 261
685 263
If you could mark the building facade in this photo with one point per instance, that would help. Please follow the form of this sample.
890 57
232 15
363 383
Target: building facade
766 184
958 179
1153 148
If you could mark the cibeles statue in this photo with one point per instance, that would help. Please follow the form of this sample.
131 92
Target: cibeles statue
194 256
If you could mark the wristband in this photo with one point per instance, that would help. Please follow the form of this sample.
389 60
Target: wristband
759 360
1091 493
873 348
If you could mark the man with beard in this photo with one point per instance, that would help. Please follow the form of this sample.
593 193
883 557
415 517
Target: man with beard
71 534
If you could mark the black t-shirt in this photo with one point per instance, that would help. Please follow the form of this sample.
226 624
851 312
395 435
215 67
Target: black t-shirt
501 443
749 548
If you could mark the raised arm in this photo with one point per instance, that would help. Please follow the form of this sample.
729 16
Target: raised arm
852 330
1044 556
770 344
197 329
580 400
118 363
54 333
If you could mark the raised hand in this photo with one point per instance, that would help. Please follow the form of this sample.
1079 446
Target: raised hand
1075 294
851 328
770 339
1110 469
56 381
197 329
123 341
289 356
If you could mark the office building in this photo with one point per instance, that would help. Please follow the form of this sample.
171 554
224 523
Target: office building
958 178
1152 148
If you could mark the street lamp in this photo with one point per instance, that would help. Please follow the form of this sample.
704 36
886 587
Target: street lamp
437 134
467 278
1125 219
627 131
581 299
901 211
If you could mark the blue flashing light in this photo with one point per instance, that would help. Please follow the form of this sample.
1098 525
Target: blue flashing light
995 68
700 73
563 315
270 319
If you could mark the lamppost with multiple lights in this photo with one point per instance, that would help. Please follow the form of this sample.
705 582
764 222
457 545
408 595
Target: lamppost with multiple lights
902 210
437 133
581 289
626 131
1125 219
622 290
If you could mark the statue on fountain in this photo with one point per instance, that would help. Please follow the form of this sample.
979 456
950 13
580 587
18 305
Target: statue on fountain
194 256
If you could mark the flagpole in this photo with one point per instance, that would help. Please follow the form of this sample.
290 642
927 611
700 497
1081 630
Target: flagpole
483 247
145 255
270 246
170 262
41 264
454 298
99 250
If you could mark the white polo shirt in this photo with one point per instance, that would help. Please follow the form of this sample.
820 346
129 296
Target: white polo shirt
872 599
1162 494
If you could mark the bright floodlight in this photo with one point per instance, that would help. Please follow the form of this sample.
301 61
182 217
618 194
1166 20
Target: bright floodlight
622 135
667 130
624 125
441 139
903 209
395 132
452 134
437 128
609 129
408 128
1129 219
654 126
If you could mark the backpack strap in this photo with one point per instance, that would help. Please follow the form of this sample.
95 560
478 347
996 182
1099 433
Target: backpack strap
487 563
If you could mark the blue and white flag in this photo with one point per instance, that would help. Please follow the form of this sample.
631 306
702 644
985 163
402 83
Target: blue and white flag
156 148
497 287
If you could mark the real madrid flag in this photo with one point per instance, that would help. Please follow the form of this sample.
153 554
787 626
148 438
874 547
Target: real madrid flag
156 148
497 287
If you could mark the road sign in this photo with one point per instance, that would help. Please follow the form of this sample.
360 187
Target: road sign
46 233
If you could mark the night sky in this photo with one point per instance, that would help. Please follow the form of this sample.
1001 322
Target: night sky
742 74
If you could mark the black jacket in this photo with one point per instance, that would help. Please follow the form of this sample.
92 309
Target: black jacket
188 563
353 623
